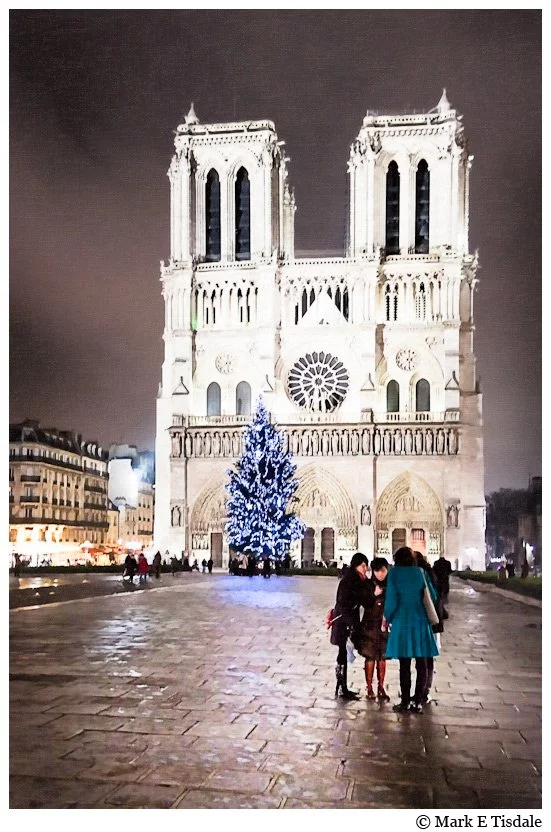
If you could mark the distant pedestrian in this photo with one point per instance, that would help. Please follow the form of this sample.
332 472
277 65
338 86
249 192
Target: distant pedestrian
174 565
143 568
157 564
210 564
204 565
525 570
266 568
411 635
510 567
16 565
277 567
130 567
442 569
195 565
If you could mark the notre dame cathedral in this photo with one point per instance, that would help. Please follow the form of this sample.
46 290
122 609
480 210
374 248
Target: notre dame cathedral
365 361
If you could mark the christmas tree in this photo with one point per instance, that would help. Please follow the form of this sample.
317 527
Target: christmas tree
261 490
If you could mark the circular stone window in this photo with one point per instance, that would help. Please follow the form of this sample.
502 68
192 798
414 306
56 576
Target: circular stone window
318 381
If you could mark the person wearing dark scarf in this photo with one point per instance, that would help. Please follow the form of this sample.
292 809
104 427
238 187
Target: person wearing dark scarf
346 617
372 635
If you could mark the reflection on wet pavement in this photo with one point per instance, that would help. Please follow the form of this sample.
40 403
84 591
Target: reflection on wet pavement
217 692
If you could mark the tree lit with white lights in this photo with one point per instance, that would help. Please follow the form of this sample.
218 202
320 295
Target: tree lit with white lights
262 488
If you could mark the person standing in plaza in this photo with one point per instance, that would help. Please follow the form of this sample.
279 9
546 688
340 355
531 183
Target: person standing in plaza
130 566
157 564
346 618
411 635
430 574
204 565
371 637
210 564
143 568
442 569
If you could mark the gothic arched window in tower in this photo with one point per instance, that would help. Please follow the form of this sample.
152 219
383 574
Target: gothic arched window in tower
318 381
243 399
422 198
391 302
242 215
213 399
421 302
392 397
212 217
422 396
392 240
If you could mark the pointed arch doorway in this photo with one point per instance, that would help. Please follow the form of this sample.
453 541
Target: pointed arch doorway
330 516
409 513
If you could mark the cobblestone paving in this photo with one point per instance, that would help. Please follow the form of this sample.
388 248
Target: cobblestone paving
218 693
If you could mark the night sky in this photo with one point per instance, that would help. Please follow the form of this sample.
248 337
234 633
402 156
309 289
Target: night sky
95 97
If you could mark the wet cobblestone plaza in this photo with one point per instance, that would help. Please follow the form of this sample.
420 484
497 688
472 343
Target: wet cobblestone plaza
217 692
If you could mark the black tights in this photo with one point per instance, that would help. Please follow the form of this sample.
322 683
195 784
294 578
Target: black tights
422 672
342 655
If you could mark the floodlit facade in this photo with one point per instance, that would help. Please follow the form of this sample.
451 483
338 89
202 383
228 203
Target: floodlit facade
365 361
131 497
58 495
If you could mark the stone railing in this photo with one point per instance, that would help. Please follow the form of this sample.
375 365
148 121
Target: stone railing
311 418
418 416
194 442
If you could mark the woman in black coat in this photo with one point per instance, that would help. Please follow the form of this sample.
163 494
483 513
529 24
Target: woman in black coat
423 563
346 617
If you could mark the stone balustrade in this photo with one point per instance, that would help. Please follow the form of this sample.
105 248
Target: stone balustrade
312 418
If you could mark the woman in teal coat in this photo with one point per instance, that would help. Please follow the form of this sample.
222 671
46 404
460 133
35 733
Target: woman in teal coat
411 635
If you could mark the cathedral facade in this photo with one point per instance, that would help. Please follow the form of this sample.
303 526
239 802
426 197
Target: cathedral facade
364 361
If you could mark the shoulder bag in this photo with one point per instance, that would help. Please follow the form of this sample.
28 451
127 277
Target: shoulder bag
428 603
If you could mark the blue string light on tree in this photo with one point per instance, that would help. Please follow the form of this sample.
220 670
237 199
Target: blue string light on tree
261 492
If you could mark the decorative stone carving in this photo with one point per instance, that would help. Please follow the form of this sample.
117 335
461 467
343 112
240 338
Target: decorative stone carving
365 516
453 516
188 442
224 363
407 359
175 516
428 441
176 444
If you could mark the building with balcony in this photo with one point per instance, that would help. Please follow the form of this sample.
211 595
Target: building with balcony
365 361
131 496
58 494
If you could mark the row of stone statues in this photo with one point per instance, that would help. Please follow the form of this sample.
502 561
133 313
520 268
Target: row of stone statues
314 441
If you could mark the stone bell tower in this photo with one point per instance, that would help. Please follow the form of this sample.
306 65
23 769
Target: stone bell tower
231 222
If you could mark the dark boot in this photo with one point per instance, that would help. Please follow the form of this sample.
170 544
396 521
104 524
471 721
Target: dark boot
338 674
382 695
345 692
369 668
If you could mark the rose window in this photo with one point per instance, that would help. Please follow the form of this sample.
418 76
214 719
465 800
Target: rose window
407 359
318 381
